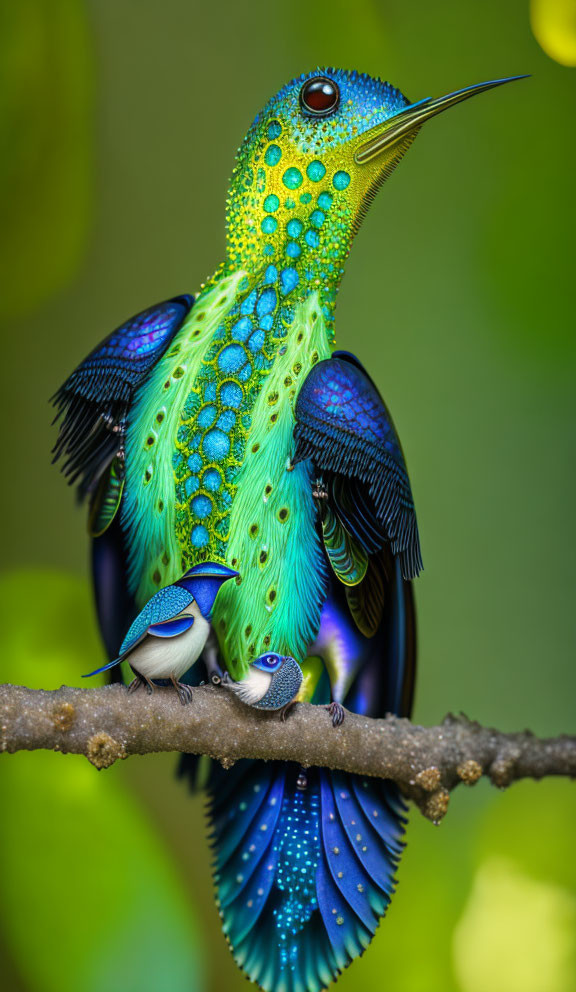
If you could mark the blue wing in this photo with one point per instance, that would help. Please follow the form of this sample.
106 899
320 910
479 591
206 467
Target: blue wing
164 606
344 428
94 401
171 628
92 406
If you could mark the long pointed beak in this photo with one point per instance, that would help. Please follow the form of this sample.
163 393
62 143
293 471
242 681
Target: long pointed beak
409 120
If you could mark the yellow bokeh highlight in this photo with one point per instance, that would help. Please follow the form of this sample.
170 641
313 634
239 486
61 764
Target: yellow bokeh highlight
554 27
515 933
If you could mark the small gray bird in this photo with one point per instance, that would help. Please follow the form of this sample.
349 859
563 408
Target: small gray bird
272 683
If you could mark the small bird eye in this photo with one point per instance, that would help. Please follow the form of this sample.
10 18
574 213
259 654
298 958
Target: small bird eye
319 97
271 659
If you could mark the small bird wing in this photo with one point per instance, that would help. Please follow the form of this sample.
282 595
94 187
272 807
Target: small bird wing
164 606
171 628
159 618
93 403
345 429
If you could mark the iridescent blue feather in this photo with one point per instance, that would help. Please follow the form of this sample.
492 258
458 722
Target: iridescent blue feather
94 401
303 876
345 429
164 605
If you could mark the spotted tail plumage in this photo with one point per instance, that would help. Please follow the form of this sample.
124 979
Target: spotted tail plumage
304 862
302 876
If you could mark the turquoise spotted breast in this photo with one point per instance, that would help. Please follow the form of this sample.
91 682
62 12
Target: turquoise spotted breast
223 439
237 498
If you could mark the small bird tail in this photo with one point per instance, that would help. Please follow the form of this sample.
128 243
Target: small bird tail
303 874
105 668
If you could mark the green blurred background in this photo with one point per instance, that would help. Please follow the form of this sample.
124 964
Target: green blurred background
118 124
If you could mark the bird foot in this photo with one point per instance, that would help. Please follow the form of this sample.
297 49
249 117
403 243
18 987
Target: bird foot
337 712
184 691
138 681
285 710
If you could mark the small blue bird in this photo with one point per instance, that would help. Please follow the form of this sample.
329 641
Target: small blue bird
170 633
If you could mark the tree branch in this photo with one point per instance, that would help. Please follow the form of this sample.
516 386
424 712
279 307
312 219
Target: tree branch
427 762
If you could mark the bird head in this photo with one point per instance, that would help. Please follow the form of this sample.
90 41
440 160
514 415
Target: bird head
203 581
273 681
312 162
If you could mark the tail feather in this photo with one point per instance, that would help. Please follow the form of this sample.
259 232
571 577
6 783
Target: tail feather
241 917
248 856
349 876
234 822
105 668
302 876
385 809
347 935
372 851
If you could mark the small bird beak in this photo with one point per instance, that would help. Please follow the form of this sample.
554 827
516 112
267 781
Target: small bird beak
406 122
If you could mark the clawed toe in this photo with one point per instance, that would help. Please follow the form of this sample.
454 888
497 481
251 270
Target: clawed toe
140 680
337 712
286 709
184 691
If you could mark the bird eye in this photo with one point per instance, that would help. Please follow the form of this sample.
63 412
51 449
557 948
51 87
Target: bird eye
319 97
271 660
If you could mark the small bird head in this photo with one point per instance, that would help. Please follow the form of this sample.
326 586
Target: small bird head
273 681
203 581
312 162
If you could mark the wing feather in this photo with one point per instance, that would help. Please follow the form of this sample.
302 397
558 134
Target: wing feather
171 628
92 408
345 429
94 401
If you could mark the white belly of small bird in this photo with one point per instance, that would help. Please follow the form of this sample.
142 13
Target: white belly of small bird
167 657
252 688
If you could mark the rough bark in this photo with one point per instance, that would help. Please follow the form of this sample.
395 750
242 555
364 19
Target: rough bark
427 762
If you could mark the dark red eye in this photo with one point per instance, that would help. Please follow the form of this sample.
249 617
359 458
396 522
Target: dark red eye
319 97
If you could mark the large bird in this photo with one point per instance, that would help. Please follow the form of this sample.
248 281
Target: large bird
227 429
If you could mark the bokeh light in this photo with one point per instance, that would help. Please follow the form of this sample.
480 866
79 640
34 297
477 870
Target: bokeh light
554 26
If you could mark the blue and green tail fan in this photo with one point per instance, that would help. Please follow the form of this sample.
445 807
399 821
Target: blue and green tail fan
305 861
